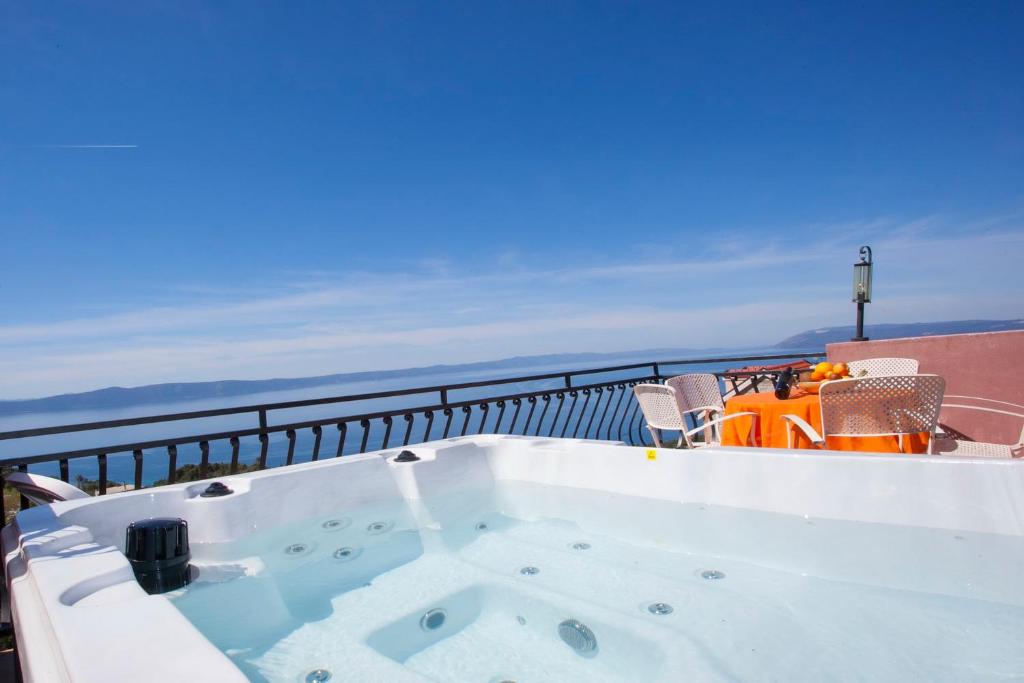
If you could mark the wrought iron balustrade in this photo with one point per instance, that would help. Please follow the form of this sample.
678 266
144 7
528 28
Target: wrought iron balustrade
595 403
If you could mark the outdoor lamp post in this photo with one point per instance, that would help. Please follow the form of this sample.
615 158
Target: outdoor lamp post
862 289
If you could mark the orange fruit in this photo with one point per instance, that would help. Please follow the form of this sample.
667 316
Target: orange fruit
823 367
841 369
831 375
817 376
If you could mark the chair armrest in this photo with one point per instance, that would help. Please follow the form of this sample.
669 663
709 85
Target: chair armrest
984 410
986 400
719 420
703 409
807 429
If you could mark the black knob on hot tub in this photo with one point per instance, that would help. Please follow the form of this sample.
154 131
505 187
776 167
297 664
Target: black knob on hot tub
159 554
407 456
215 490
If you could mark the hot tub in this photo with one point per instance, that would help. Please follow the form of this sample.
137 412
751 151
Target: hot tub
497 558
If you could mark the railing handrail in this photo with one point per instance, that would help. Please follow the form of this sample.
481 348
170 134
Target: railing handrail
442 389
614 409
321 422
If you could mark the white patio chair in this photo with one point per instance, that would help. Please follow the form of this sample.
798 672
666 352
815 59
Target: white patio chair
663 408
948 444
879 367
43 490
894 405
700 395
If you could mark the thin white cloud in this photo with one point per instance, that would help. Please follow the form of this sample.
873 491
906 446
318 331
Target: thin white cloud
726 294
207 359
357 291
90 146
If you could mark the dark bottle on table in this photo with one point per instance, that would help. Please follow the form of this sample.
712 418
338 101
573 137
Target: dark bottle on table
782 384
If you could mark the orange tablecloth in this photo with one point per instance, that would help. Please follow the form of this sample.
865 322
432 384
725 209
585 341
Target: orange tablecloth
771 428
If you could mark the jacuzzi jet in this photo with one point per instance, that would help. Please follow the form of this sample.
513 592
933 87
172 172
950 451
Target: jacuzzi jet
379 527
433 619
529 571
347 554
336 524
581 546
712 574
318 676
578 636
216 490
521 619
407 456
296 549
482 526
660 608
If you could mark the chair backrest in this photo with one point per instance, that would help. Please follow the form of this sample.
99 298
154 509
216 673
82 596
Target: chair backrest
660 406
879 367
877 406
697 391
43 490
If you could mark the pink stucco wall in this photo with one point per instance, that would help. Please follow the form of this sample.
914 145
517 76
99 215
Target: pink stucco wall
990 365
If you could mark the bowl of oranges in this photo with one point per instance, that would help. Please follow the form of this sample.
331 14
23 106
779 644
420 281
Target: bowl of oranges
821 373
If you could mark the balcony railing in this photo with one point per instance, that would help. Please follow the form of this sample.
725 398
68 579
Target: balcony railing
595 403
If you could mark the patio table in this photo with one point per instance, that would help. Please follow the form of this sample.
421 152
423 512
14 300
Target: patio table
771 431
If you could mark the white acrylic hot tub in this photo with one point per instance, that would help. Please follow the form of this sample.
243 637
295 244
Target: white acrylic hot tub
505 558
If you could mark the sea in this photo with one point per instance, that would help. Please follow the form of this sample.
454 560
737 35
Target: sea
121 466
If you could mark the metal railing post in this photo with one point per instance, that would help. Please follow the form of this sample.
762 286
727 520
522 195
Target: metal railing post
264 439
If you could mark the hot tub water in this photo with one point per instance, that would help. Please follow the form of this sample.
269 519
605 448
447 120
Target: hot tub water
618 589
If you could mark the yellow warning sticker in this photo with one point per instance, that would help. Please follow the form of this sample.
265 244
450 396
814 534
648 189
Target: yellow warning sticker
652 454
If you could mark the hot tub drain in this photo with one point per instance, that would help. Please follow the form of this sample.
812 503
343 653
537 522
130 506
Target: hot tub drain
578 636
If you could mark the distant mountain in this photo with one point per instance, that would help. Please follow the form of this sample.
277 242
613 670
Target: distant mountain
124 397
120 397
816 339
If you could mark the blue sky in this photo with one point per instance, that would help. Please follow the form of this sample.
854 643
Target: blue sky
193 190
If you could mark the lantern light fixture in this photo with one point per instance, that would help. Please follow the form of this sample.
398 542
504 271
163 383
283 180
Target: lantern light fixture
862 288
